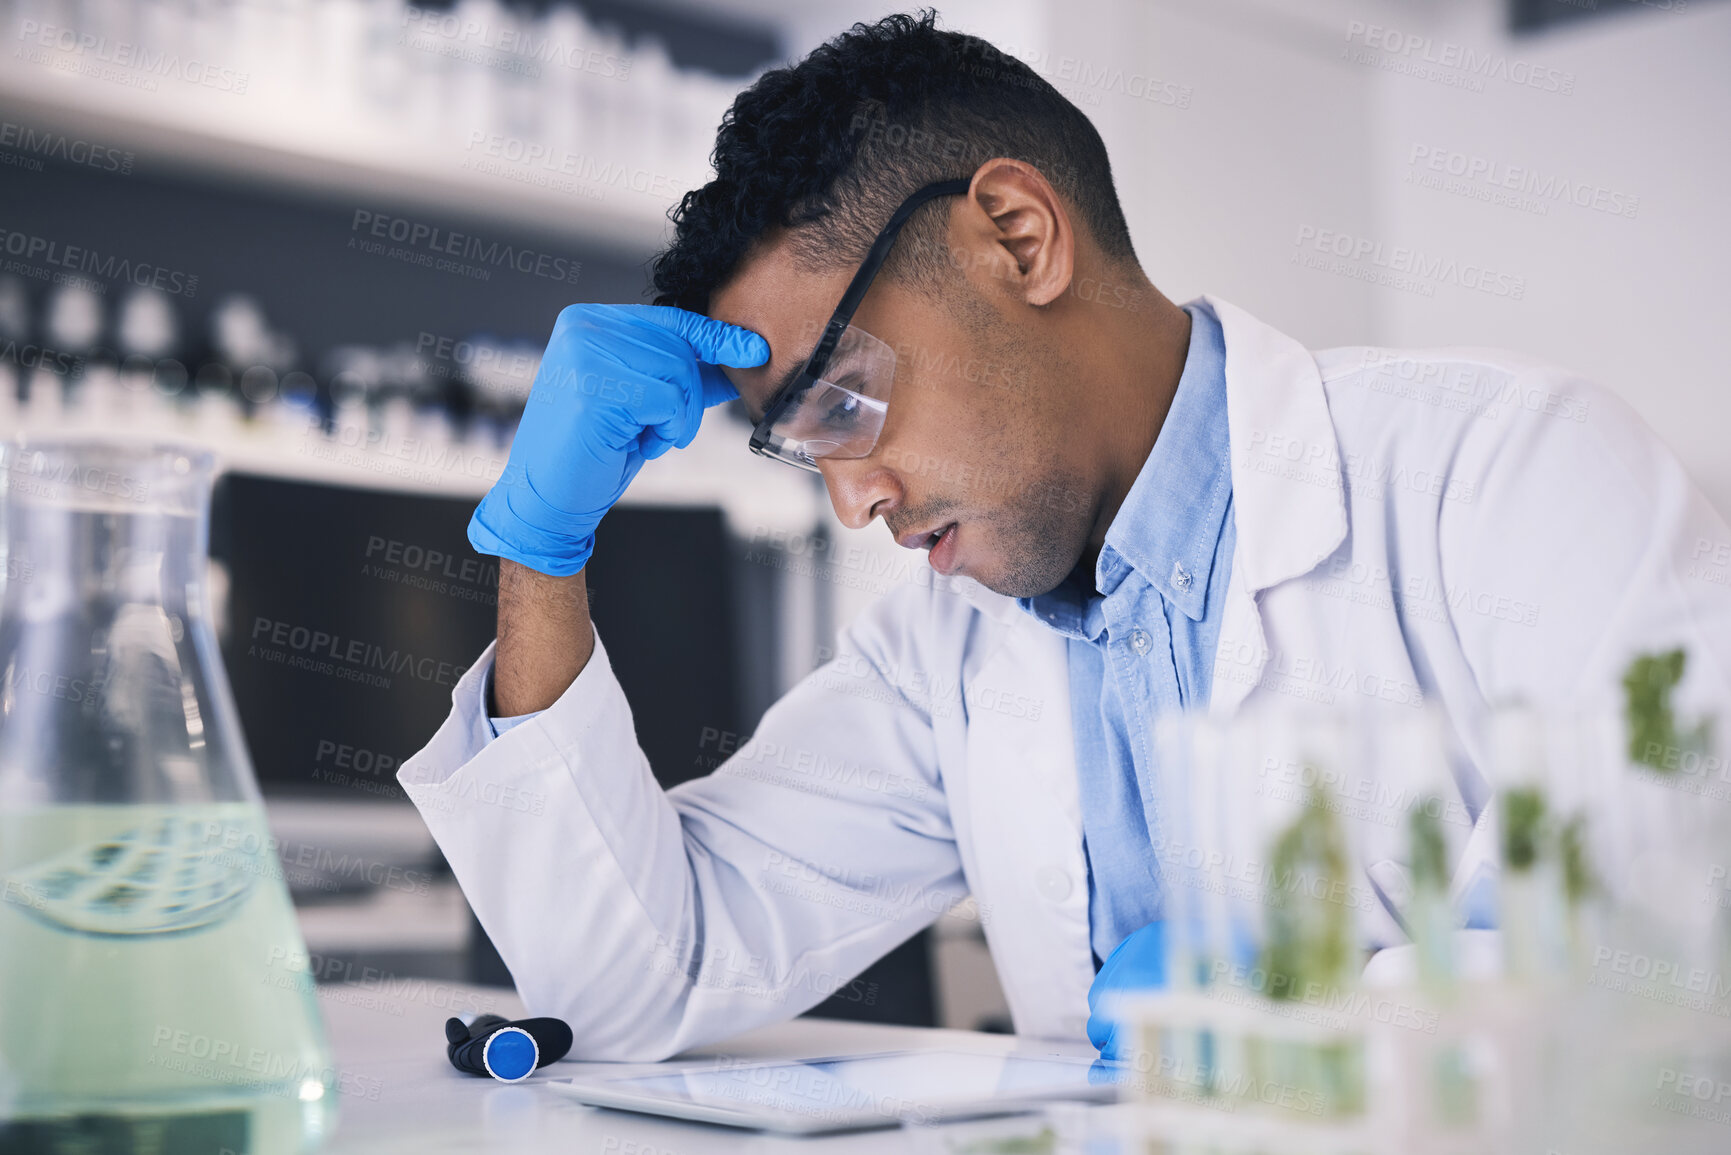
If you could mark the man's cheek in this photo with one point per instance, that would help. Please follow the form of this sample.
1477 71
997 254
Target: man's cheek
754 386
931 381
742 382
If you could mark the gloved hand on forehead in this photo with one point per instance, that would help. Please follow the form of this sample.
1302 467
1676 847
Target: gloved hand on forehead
618 386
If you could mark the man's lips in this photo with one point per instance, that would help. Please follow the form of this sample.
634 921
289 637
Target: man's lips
942 557
924 539
940 542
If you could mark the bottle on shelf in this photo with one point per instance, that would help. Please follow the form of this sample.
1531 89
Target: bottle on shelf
16 351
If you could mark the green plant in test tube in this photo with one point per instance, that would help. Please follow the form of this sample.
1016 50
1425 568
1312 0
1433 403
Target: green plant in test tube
1545 876
1309 938
1309 948
1454 1089
1579 881
1430 919
1655 738
1430 866
1523 827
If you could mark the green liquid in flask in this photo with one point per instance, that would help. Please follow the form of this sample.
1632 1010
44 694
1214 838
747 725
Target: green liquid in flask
154 988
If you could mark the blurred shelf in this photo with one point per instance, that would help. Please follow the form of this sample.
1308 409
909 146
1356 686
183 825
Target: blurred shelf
322 160
758 496
543 123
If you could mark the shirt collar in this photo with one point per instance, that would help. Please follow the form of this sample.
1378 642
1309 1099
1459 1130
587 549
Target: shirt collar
1169 526
1171 519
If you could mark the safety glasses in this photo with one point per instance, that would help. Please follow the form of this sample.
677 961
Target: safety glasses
836 406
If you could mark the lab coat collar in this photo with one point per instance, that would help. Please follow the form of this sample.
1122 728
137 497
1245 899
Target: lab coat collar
996 606
1288 520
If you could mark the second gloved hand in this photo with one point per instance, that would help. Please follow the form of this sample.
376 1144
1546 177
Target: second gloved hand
1136 964
618 385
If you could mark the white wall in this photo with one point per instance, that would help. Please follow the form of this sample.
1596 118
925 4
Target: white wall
1268 134
1638 303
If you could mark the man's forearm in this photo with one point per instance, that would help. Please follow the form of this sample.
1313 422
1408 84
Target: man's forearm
545 638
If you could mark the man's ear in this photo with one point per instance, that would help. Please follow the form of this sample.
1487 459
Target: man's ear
1017 231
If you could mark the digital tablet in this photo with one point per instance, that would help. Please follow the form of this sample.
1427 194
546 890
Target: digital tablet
849 1092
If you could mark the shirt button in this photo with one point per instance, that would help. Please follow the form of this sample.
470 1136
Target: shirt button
1053 883
1140 641
1180 576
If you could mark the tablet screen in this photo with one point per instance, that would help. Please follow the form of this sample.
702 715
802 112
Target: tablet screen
915 1085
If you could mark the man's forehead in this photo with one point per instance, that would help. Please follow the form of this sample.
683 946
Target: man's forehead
773 289
784 301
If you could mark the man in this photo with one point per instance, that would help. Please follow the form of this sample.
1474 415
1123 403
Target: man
912 268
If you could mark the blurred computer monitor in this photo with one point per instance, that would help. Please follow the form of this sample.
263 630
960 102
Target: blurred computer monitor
352 613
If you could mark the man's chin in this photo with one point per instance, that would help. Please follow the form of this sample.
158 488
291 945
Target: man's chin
1021 560
1017 581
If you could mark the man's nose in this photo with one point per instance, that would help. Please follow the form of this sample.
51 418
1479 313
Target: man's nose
860 489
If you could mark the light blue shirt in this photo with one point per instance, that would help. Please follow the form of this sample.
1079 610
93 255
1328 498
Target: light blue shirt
1153 621
500 725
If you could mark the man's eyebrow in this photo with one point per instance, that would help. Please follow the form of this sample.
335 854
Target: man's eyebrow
782 386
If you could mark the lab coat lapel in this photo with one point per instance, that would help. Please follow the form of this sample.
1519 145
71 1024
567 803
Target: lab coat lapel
1023 818
1291 517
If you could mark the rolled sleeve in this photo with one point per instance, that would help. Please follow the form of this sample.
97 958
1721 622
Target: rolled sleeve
654 921
496 724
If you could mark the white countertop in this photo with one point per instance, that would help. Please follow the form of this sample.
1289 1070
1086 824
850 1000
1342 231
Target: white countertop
388 1043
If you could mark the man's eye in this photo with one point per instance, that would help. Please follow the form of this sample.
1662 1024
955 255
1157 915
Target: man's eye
843 411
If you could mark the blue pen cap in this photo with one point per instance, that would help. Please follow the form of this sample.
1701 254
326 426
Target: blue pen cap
510 1055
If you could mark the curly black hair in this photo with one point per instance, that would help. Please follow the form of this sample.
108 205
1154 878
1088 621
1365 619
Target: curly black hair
841 138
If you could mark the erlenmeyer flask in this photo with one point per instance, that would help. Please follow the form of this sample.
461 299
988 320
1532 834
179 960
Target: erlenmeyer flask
154 989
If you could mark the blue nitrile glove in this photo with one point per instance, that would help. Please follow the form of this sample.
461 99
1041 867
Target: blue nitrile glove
618 385
1136 964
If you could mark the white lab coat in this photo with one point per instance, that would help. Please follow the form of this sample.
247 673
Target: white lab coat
1456 525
